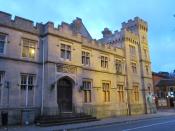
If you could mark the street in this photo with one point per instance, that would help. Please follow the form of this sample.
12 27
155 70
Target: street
154 124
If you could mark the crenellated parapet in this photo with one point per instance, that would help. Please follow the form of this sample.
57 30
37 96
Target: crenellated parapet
135 24
75 31
19 23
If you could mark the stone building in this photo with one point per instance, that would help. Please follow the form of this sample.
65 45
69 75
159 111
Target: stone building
48 69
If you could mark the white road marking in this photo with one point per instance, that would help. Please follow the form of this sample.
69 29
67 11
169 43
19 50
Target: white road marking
148 126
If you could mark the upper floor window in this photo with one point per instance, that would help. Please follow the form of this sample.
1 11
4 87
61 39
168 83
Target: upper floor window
85 58
106 91
66 51
3 40
104 62
145 53
134 67
147 69
87 90
118 67
120 93
28 49
132 50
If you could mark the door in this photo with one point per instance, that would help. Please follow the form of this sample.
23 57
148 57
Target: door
64 95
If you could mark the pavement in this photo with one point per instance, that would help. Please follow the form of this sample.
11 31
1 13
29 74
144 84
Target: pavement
108 121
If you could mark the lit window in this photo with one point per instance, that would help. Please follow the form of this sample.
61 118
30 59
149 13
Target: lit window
120 93
118 67
134 67
104 62
85 58
136 93
28 50
66 51
87 91
3 39
27 89
106 92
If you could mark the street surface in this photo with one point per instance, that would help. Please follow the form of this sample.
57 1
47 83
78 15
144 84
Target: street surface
154 124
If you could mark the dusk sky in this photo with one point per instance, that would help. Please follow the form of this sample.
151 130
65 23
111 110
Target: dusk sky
98 14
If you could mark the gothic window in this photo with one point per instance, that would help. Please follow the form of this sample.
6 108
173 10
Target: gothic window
104 62
28 49
134 67
85 58
118 67
106 91
3 40
120 93
66 51
27 89
87 91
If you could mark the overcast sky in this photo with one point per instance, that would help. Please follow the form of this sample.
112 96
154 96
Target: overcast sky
97 14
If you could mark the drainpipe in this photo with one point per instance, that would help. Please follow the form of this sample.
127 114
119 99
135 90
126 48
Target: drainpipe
42 88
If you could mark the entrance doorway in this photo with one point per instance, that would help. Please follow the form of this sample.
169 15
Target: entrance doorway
64 95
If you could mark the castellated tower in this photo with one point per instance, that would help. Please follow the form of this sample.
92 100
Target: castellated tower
133 39
140 28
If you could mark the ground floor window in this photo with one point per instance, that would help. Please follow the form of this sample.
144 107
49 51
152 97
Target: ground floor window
1 84
136 93
27 89
87 91
106 91
120 93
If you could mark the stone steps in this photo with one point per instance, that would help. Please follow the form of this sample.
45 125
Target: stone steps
64 119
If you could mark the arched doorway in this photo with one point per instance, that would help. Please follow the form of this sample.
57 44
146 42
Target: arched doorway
64 94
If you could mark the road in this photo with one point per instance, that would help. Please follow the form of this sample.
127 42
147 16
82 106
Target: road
154 124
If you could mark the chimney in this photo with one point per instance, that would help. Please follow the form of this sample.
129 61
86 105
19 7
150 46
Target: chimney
106 32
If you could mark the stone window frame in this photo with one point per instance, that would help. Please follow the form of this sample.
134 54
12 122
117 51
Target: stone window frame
120 91
132 50
147 69
2 81
66 49
35 43
87 90
119 66
134 67
136 93
104 61
106 91
85 58
5 43
27 88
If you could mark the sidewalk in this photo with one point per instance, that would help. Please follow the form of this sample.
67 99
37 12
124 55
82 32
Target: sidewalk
108 121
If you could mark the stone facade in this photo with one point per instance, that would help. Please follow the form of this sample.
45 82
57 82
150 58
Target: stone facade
58 55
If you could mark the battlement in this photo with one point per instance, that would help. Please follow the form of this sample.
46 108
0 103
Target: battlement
74 31
135 24
19 23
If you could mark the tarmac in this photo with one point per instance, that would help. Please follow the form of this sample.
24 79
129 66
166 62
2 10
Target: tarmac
102 122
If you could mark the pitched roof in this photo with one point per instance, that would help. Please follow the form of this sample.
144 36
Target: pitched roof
78 27
166 82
